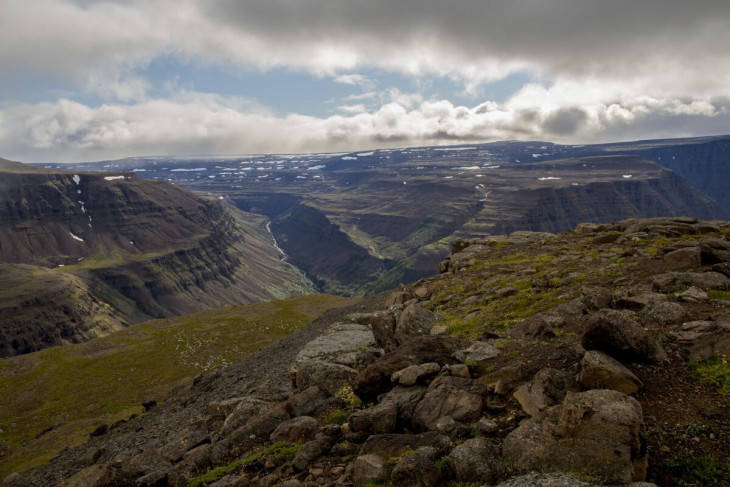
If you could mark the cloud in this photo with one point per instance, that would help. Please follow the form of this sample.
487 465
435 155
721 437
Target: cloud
209 124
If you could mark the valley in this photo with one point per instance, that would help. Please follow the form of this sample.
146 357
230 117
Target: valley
360 222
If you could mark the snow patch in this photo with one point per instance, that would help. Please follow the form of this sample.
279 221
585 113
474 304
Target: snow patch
76 237
112 178
197 169
549 178
348 158
76 178
466 168
626 176
320 166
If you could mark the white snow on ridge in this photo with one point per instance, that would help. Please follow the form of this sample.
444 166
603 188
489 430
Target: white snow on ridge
547 178
348 158
197 169
626 176
317 168
466 168
75 237
112 178
76 178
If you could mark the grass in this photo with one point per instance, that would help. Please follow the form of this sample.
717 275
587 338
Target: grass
72 389
701 471
279 451
714 372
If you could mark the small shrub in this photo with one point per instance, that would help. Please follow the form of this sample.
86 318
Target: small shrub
338 416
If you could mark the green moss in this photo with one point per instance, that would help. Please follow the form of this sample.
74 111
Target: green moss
338 416
701 471
714 372
717 294
280 452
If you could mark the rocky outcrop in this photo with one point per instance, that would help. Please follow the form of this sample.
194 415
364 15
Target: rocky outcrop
607 395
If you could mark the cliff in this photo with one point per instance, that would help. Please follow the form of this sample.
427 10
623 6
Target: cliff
101 251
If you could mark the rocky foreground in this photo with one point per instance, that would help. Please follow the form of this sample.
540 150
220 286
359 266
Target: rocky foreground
592 357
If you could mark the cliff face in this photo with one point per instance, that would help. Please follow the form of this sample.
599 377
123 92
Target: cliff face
136 249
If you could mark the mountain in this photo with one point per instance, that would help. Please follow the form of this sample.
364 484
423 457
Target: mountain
590 357
85 253
364 221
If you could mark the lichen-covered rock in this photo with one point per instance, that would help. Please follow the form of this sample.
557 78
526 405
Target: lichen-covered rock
378 419
369 468
454 397
662 314
414 321
704 339
547 388
418 469
600 432
375 378
478 352
475 460
383 326
601 371
619 336
414 374
296 430
686 258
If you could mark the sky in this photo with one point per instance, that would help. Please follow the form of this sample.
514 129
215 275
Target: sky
84 80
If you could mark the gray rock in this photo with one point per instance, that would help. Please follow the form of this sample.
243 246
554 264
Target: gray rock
414 321
479 352
231 481
312 450
14 480
382 324
369 468
662 314
680 259
422 293
704 339
329 376
536 327
260 426
296 430
475 460
378 419
414 374
182 442
244 410
311 402
418 469
338 342
692 295
503 380
600 432
677 281
405 400
601 371
375 378
461 399
616 334
544 480
547 388
486 426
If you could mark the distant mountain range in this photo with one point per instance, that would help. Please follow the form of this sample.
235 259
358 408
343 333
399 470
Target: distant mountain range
364 221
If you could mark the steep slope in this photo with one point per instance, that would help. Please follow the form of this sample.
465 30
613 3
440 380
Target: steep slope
532 359
142 248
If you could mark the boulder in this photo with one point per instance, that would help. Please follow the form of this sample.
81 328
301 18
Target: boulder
504 379
601 371
296 430
478 352
662 314
183 441
536 327
692 295
422 293
259 427
600 432
231 481
447 396
414 321
685 258
244 410
369 469
145 463
418 469
704 339
349 344
375 378
393 445
476 460
383 326
378 419
619 336
328 376
544 480
414 374
311 402
678 281
547 388
635 299
405 400
315 448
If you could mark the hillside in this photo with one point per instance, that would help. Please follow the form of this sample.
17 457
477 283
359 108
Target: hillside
51 399
592 357
377 218
85 253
